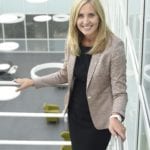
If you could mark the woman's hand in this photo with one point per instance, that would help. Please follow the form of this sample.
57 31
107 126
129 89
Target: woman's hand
117 128
24 83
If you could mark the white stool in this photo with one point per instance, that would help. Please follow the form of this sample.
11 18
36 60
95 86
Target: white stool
8 46
8 90
60 25
42 18
60 17
4 67
10 18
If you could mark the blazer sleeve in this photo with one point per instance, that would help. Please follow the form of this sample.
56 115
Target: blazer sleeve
118 79
59 77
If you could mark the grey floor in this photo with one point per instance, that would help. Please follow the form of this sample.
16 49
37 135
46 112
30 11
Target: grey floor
31 100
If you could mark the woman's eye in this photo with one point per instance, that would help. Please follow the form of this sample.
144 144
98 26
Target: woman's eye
80 16
91 15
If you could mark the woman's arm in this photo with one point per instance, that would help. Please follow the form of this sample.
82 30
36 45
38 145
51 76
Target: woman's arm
24 83
52 79
118 83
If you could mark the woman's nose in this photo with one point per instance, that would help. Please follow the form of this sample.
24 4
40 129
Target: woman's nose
85 20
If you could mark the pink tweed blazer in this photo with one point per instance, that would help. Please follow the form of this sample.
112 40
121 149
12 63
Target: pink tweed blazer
106 82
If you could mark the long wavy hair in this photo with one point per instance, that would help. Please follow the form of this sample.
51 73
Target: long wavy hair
75 37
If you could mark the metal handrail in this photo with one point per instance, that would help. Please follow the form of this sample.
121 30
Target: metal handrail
33 142
25 114
115 143
118 143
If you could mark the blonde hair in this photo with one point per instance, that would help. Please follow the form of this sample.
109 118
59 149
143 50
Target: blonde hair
74 36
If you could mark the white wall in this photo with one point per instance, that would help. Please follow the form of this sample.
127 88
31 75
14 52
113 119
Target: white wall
22 6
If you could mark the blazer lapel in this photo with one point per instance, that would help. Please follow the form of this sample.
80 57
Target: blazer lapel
93 64
71 67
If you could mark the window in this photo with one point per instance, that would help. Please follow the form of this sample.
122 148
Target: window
146 55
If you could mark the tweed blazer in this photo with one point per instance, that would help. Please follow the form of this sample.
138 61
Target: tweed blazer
106 82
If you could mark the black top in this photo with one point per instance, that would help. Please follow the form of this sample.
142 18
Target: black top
78 106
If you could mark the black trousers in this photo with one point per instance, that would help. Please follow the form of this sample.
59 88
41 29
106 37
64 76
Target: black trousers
88 138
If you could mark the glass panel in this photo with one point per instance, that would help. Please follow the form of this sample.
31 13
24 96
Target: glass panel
14 30
31 100
21 42
37 129
135 22
31 29
30 147
143 139
37 45
35 29
114 17
59 27
132 106
57 45
1 33
146 55
120 26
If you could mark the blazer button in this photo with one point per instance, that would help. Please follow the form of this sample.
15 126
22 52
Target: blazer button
89 97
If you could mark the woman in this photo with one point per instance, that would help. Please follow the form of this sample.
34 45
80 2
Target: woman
95 69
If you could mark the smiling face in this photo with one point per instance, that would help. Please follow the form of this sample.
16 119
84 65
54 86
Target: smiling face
88 21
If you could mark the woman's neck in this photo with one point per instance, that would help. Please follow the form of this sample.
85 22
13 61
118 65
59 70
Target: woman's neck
88 42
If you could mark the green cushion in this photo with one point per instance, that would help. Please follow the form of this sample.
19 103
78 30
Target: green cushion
66 148
48 107
65 135
51 108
